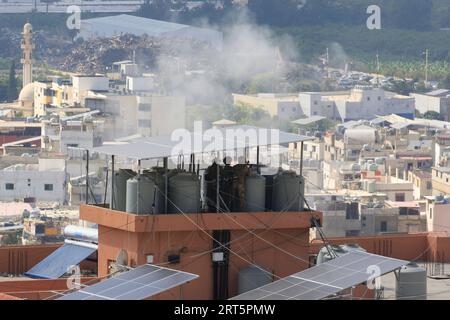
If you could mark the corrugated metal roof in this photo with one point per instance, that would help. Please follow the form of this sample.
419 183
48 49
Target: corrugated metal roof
308 121
209 141
134 24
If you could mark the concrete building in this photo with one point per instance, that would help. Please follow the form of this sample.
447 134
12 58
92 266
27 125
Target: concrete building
438 218
422 183
436 101
82 131
147 115
283 106
45 181
441 181
442 150
83 84
360 103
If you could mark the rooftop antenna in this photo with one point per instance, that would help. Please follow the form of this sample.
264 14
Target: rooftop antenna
378 69
426 66
134 56
328 62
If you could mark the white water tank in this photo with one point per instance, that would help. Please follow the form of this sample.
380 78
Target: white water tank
253 277
411 283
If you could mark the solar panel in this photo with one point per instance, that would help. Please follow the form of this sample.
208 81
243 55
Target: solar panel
326 279
60 260
137 284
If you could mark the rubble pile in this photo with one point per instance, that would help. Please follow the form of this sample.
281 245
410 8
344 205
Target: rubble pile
98 54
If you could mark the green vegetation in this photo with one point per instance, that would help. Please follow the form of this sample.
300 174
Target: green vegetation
12 92
241 114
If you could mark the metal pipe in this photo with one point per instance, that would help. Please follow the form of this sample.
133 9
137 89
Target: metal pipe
111 206
218 188
87 177
301 158
138 187
166 183
257 160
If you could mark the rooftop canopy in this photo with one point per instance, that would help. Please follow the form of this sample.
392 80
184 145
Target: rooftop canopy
183 142
308 121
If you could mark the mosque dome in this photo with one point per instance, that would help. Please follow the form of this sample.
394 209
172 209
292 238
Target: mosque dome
27 93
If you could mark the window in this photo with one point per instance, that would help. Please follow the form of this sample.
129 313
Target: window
144 123
429 185
145 107
352 233
282 109
9 186
379 98
48 187
383 226
352 211
368 98
294 109
400 197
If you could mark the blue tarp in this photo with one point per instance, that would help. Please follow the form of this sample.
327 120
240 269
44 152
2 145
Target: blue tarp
60 261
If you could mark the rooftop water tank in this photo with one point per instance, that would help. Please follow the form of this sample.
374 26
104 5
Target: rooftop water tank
140 195
288 192
120 188
252 278
81 233
255 193
411 283
184 193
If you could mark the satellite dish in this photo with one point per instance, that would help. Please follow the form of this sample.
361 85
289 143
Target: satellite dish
122 258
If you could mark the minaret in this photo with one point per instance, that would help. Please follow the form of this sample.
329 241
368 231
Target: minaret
27 47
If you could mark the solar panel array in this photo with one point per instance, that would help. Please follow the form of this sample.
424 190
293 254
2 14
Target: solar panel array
137 284
326 279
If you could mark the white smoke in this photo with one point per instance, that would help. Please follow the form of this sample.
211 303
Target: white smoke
248 50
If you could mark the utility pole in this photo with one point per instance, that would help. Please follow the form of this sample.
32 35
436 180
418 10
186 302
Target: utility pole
426 67
378 70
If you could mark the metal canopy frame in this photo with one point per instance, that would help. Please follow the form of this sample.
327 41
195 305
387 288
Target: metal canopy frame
163 146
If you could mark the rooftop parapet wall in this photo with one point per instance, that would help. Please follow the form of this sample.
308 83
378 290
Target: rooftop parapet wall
191 222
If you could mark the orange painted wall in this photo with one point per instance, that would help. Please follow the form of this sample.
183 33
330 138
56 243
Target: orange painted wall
192 244
19 259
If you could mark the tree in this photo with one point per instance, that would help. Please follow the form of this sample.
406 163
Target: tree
432 115
12 83
155 9
445 84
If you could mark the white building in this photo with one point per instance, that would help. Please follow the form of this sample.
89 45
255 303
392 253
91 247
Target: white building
437 101
360 103
438 218
147 115
45 181
122 24
83 84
